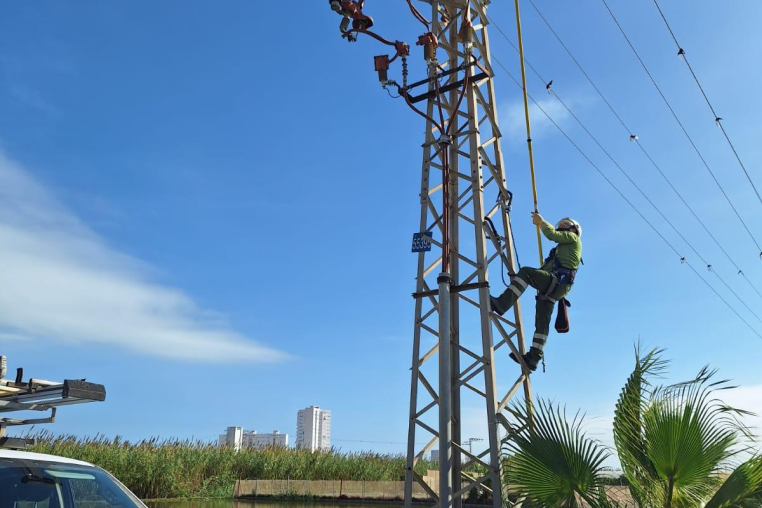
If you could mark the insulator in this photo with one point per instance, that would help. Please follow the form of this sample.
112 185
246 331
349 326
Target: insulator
467 34
429 52
3 367
344 26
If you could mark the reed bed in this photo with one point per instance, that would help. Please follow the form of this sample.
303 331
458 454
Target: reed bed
155 469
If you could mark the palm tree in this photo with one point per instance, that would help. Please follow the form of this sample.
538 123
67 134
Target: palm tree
551 462
673 442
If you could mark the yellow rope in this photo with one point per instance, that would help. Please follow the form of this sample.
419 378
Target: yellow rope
529 128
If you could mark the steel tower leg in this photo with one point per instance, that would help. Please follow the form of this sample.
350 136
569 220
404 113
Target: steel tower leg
465 334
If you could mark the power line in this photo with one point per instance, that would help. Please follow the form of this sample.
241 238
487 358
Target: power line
717 119
640 190
633 137
669 106
621 194
706 263
579 66
680 256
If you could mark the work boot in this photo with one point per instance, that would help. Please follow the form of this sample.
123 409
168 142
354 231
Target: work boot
531 359
496 307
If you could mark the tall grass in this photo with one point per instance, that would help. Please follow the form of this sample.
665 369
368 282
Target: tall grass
154 468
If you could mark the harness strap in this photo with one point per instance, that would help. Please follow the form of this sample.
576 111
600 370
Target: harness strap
565 275
553 284
549 291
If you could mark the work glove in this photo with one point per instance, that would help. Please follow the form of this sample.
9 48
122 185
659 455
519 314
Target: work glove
537 219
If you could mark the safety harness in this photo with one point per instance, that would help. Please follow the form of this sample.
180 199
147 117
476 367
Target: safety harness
559 275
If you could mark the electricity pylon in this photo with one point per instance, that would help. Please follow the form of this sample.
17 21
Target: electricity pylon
463 193
452 288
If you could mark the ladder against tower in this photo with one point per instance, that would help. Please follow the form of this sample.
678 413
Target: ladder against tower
460 347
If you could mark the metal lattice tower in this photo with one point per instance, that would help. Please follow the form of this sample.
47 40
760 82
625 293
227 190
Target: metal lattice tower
463 189
453 323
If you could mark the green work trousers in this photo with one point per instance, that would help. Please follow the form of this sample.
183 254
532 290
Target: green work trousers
540 280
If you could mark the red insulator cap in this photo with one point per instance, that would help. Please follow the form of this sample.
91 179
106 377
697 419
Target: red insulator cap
427 38
403 49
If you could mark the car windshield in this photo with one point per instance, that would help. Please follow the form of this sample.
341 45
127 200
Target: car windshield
38 484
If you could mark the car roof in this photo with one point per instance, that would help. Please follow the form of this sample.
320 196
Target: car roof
21 455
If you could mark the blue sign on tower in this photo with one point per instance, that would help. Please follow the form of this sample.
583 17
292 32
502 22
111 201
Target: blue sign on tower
422 241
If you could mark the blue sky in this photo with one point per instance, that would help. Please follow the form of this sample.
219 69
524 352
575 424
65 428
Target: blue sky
208 208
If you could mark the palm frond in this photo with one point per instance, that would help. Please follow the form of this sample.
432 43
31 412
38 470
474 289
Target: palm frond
553 462
689 433
742 488
629 434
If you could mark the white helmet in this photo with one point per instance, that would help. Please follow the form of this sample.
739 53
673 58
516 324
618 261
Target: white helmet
567 224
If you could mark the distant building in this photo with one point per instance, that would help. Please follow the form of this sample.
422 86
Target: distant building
237 438
233 438
313 429
251 439
434 455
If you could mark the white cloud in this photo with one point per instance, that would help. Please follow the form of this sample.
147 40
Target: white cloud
60 281
513 118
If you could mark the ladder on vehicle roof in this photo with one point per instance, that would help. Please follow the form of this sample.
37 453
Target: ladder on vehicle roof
41 396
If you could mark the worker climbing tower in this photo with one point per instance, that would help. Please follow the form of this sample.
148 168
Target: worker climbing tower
463 243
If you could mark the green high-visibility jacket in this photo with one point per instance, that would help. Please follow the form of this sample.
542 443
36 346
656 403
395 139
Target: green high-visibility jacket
568 251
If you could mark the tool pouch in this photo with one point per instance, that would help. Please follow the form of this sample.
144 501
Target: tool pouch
562 316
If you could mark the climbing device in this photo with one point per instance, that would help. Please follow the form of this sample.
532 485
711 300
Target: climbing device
494 236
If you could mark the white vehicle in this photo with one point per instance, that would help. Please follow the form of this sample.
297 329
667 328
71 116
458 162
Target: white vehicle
35 480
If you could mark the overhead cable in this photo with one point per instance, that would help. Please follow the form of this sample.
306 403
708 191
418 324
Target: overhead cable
717 118
658 210
680 123
632 136
682 258
579 66
645 196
